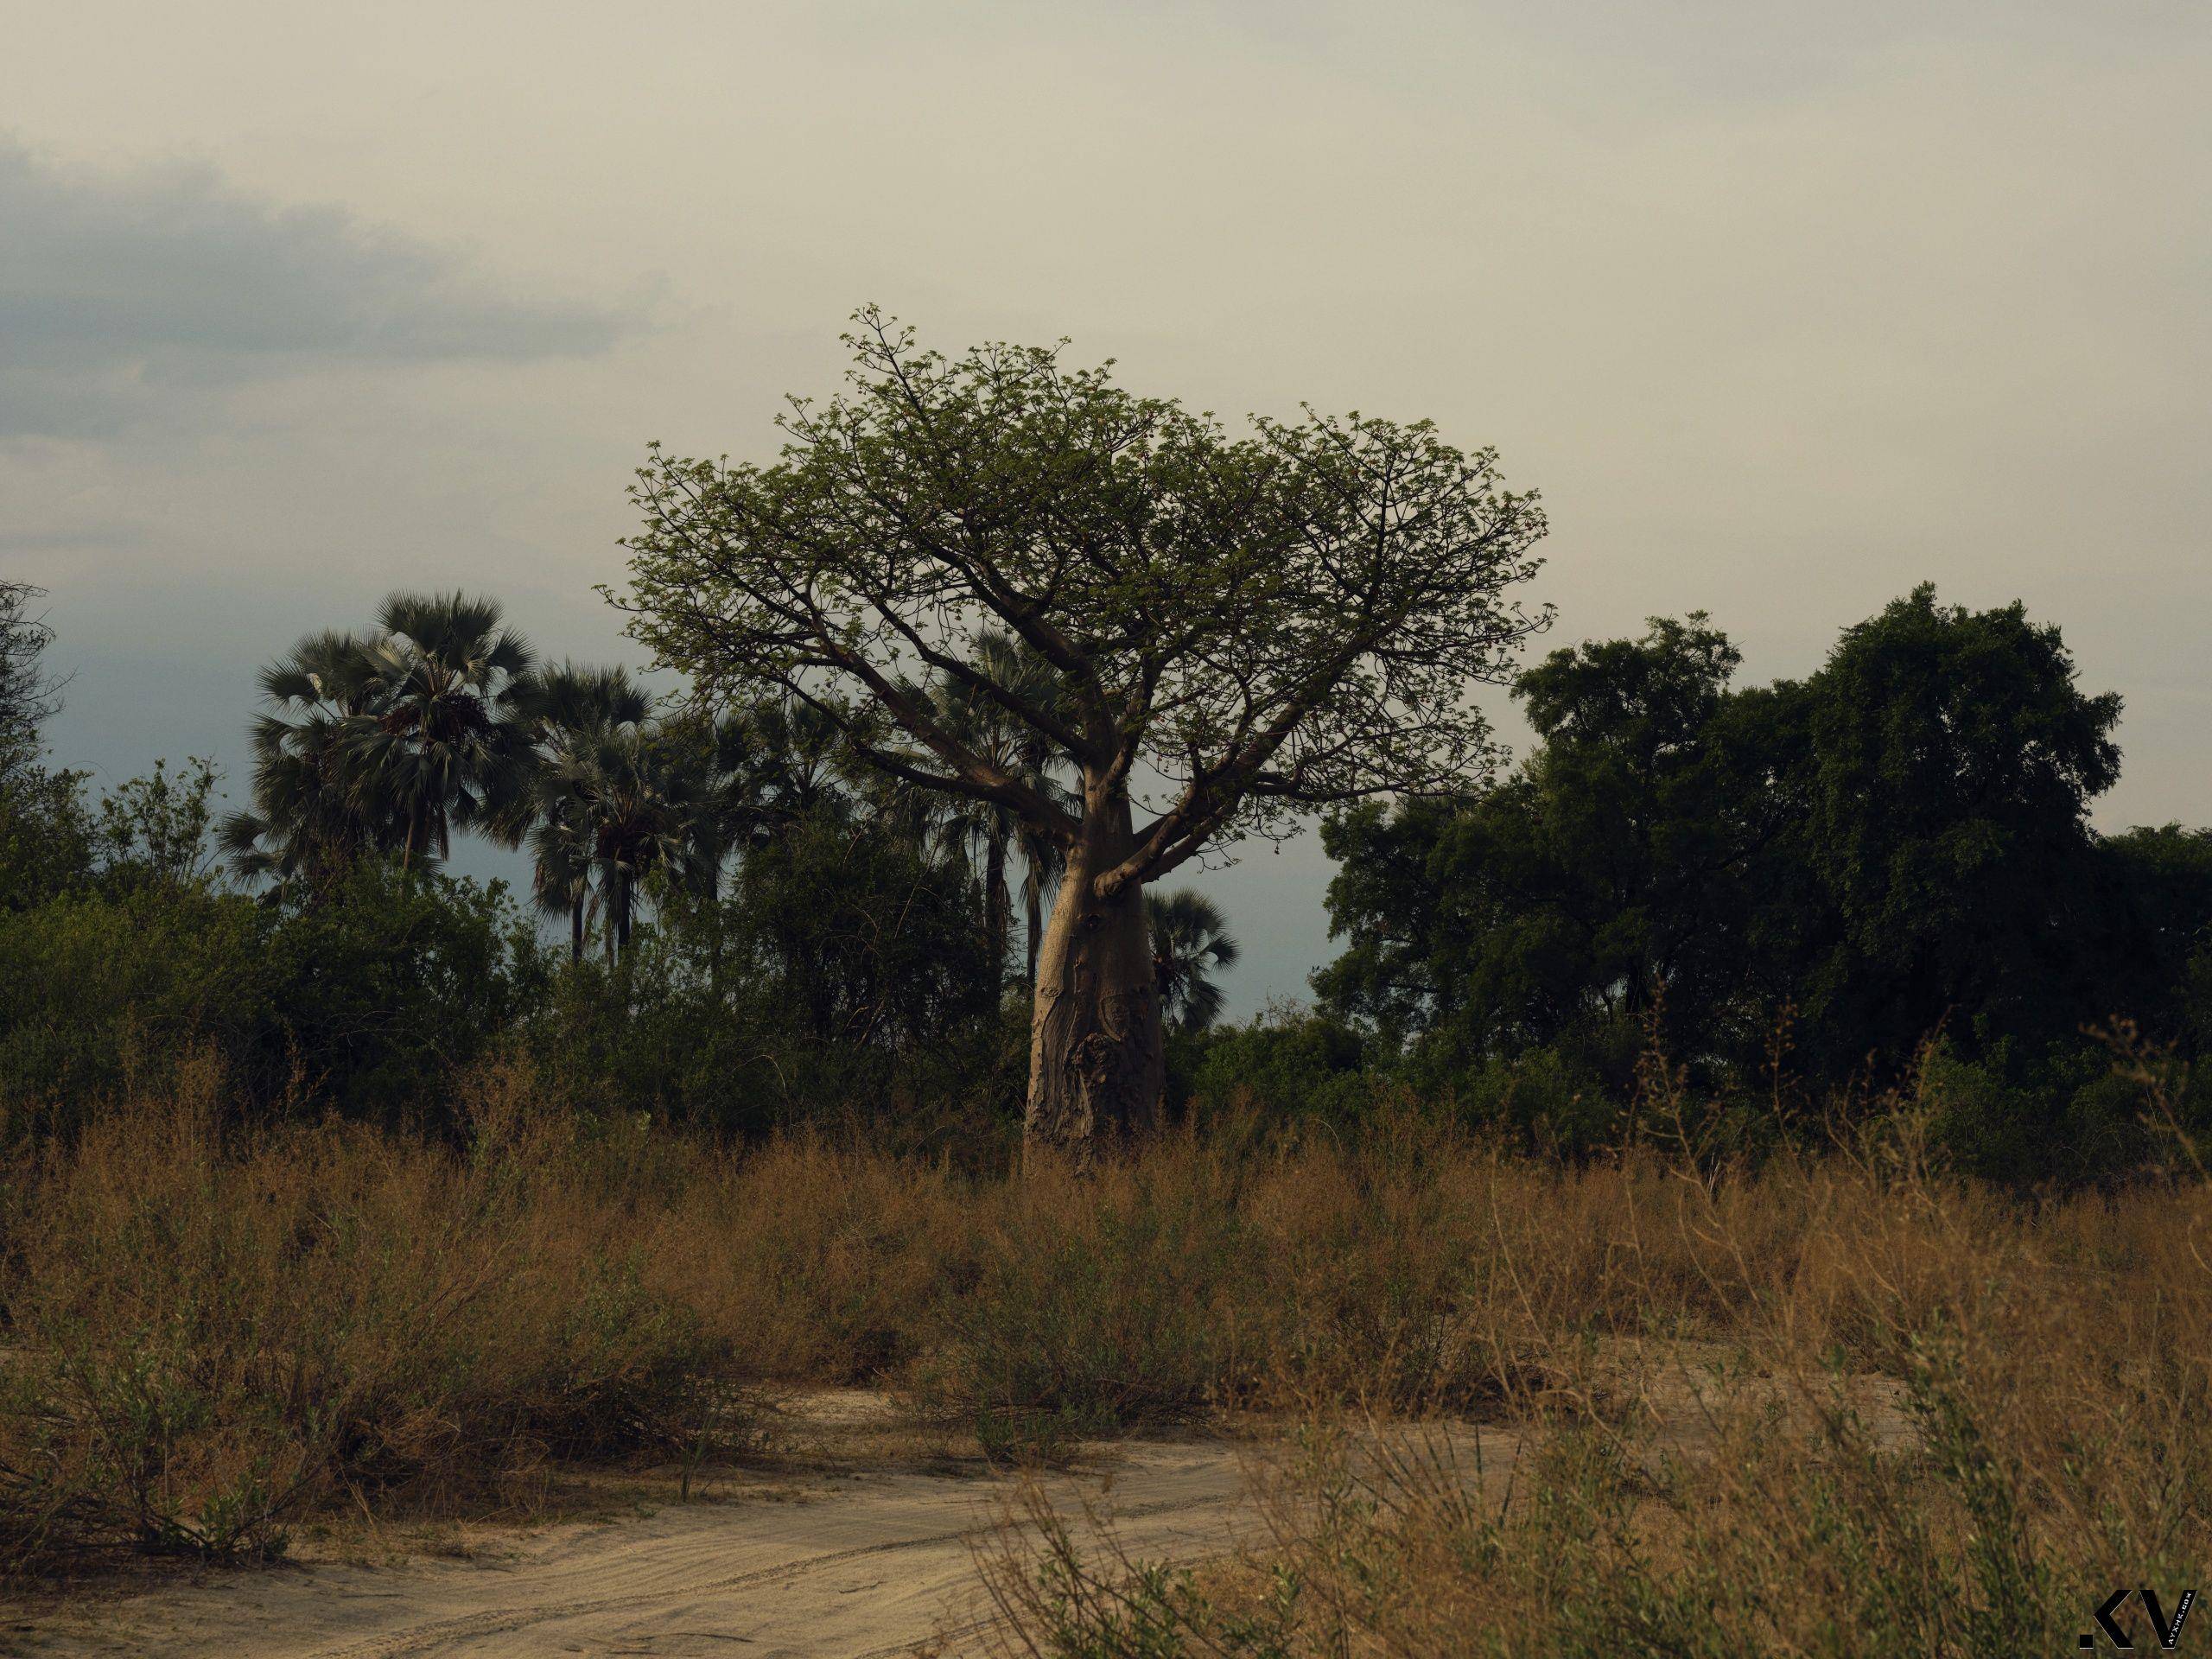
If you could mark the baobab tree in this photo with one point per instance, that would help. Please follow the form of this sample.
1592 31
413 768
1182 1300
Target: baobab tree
1238 627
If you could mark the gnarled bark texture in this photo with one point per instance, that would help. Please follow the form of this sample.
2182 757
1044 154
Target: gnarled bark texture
1097 1061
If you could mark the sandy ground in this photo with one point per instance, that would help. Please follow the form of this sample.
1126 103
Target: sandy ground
861 1540
827 1563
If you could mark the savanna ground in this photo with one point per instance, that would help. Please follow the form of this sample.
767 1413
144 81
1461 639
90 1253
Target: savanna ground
1445 1398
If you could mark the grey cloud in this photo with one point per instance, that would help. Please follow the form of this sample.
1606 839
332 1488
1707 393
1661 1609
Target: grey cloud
114 292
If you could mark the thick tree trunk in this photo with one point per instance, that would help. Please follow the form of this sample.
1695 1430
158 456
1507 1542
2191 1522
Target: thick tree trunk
1097 1064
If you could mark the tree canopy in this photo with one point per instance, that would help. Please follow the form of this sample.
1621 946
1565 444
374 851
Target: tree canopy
1295 616
1233 626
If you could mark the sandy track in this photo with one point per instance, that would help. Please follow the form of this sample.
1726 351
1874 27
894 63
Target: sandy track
855 1565
868 1566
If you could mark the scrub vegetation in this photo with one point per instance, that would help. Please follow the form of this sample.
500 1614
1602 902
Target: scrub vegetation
1775 1108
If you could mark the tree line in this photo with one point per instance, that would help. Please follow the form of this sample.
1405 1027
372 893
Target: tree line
815 931
994 635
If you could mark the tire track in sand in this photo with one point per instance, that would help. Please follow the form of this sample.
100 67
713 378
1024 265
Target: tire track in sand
864 1569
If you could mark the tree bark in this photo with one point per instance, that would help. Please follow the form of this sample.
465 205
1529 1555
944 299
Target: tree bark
1098 1063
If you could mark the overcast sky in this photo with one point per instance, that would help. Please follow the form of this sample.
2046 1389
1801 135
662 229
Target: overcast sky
1785 307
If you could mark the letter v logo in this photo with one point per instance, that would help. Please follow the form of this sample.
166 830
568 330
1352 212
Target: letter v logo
2169 1635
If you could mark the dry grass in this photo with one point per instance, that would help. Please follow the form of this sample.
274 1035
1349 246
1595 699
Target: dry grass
1922 1417
216 1334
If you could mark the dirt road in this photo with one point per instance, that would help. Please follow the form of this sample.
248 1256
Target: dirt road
869 1565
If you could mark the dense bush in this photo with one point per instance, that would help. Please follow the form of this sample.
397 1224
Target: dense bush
94 991
1292 1062
369 999
1789 891
841 976
394 983
1783 901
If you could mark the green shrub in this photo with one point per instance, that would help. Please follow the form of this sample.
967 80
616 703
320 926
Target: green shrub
1290 1064
393 984
97 992
370 999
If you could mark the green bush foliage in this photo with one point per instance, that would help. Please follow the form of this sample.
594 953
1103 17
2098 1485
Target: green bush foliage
1788 891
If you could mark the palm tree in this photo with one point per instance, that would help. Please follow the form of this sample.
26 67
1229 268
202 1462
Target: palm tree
383 742
1043 859
580 699
561 872
630 805
790 757
986 833
305 823
1189 942
448 739
575 710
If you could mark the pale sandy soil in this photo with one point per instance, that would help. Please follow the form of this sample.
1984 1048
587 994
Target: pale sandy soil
825 1561
862 1543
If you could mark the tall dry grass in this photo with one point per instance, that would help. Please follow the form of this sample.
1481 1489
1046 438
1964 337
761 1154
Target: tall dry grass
1885 1413
211 1331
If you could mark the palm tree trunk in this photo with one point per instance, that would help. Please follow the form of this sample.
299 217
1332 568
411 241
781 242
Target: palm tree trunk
998 919
577 930
1032 897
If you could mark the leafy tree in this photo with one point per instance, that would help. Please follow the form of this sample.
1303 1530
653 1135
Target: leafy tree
47 838
46 832
2148 951
156 829
1951 762
1613 876
1189 942
1895 846
1252 625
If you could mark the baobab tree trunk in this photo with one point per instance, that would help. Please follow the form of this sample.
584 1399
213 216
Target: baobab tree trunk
1097 1062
